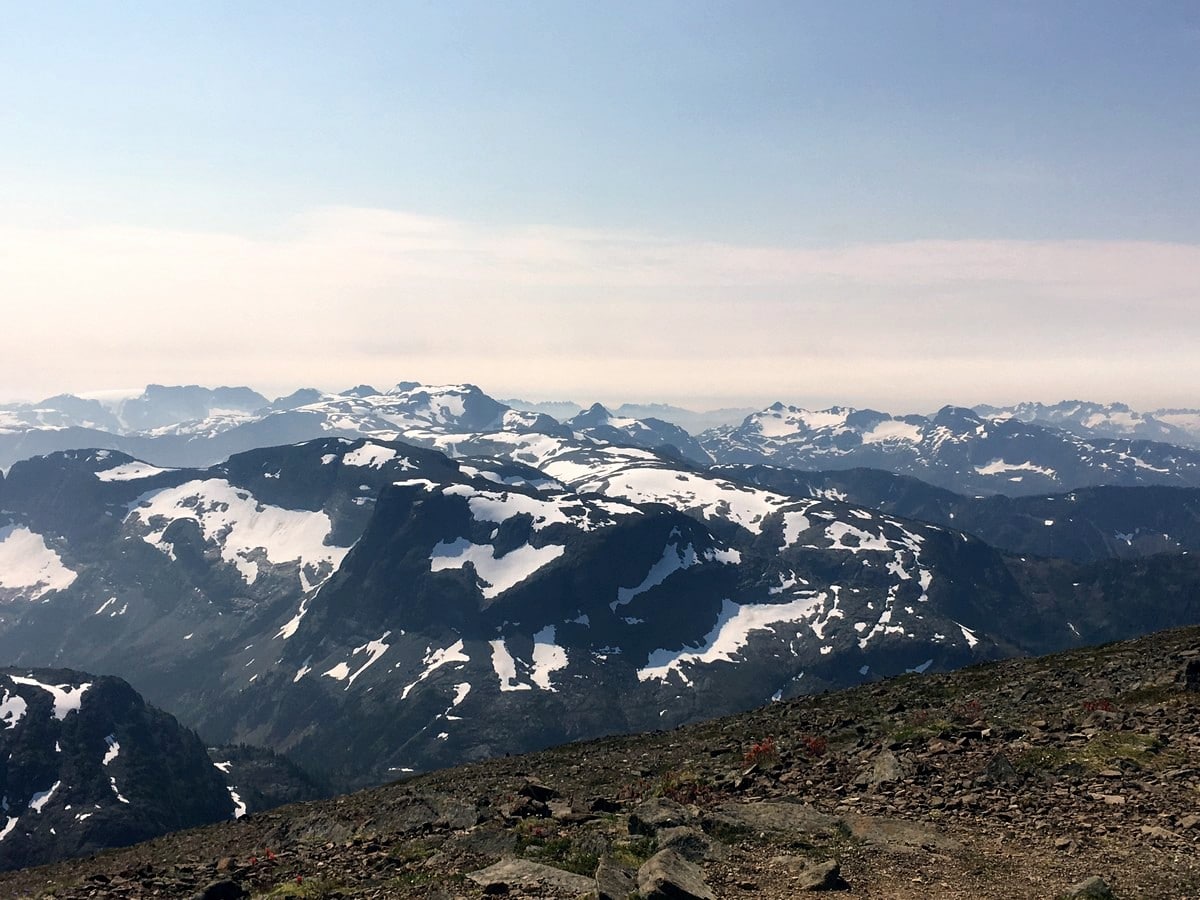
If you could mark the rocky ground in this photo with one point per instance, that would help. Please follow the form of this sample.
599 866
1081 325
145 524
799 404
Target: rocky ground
1072 775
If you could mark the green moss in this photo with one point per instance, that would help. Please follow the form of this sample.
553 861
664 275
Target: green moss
412 852
1150 694
535 842
633 850
1100 752
920 730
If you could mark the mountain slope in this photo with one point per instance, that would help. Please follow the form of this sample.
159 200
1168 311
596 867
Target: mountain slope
1017 779
88 765
1086 524
377 607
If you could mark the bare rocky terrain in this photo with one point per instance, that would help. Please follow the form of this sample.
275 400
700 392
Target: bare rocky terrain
1071 775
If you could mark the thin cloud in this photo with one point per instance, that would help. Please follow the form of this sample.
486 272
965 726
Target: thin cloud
345 295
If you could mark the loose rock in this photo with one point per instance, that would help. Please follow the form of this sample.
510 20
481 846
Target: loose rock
668 876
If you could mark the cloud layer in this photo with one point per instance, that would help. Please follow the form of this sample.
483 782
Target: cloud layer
344 295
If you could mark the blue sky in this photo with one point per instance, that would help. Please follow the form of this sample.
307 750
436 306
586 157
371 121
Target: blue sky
776 126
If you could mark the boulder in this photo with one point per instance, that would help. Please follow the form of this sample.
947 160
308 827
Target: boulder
1001 771
1191 676
223 890
656 813
613 880
885 770
821 876
691 843
1094 888
810 875
900 834
668 876
535 790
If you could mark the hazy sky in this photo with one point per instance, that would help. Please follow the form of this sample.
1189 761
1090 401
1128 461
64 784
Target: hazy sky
888 204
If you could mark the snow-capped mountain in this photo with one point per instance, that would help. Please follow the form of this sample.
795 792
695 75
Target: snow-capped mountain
956 449
158 407
598 423
1109 420
690 420
556 409
162 406
1086 524
415 412
89 765
373 606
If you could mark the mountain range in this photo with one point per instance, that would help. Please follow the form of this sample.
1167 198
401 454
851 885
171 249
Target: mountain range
1023 450
376 607
423 576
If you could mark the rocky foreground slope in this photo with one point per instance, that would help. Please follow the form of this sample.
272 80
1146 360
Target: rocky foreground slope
1071 775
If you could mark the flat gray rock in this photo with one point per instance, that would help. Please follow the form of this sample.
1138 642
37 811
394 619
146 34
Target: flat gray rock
777 816
900 834
524 873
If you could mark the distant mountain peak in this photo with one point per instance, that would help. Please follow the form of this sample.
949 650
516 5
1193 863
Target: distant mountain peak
595 414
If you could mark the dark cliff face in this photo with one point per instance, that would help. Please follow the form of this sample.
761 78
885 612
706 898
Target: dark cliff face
86 764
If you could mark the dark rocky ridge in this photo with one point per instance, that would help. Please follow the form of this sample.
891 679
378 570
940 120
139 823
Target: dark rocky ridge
1025 778
85 764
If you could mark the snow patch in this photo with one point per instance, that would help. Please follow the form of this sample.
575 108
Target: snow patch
239 806
548 658
40 799
1000 467
505 668
12 709
496 574
241 526
28 565
130 471
674 559
67 697
370 456
892 430
435 660
728 636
